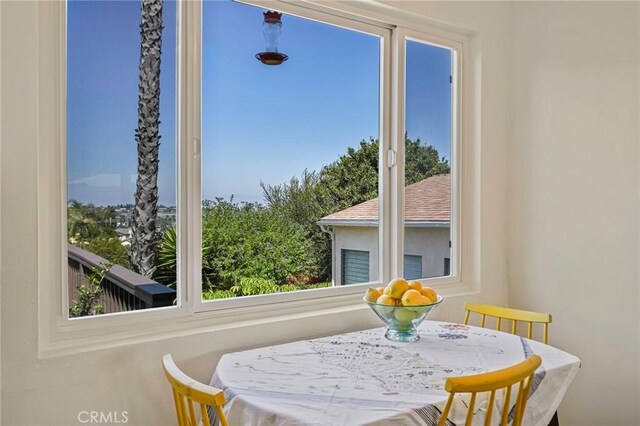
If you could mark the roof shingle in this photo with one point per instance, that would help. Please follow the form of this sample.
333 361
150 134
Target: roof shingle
426 200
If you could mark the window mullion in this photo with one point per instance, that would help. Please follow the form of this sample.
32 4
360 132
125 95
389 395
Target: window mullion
189 253
456 166
384 187
396 196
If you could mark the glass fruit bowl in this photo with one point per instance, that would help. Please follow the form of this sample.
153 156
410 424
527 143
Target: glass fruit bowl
402 321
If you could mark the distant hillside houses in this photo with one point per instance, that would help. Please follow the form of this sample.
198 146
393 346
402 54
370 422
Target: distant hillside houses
354 231
124 216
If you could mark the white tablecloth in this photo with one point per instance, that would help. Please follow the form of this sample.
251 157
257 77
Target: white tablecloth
362 378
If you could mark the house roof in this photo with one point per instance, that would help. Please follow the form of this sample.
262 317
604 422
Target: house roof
428 200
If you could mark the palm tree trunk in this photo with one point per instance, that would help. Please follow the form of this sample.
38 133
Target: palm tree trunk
145 236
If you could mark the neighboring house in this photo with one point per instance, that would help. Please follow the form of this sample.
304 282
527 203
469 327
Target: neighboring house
354 233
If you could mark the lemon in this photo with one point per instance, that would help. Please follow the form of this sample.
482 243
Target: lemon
372 295
430 293
397 287
404 315
415 285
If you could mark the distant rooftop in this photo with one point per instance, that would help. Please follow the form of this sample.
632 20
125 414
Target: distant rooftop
426 201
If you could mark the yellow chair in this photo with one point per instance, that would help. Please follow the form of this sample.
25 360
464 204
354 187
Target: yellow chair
513 315
521 373
187 391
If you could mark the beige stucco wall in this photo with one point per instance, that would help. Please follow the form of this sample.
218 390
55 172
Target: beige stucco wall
430 243
128 376
363 238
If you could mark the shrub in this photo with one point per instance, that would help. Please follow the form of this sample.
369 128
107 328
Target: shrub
108 247
87 302
248 240
217 294
166 258
243 245
255 286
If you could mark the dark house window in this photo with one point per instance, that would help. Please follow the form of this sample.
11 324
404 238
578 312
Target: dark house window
355 266
412 267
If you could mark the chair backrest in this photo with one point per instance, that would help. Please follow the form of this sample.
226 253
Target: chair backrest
513 315
521 373
187 392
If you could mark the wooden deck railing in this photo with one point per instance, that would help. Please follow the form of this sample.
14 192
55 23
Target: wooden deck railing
124 290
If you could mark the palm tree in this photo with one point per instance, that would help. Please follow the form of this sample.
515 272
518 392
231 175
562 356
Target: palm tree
145 236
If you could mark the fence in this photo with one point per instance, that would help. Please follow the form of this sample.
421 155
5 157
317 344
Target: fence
123 289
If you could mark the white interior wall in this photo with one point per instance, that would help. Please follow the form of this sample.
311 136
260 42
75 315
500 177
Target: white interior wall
129 377
0 230
573 194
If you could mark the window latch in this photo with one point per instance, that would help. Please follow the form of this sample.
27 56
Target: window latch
196 146
391 158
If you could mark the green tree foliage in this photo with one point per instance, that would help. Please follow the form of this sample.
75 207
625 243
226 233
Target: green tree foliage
249 240
353 178
422 162
86 221
93 229
350 180
218 294
254 286
166 260
250 249
296 200
108 247
88 300
241 243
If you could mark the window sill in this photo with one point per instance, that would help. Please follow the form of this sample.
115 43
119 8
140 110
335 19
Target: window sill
174 323
167 323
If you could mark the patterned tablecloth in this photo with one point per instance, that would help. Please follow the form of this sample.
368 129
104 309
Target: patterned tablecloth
362 378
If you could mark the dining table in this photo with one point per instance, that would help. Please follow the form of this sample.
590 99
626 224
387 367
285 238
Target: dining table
361 378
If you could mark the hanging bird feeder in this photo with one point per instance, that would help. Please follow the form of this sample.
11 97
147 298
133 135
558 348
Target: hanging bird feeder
271 29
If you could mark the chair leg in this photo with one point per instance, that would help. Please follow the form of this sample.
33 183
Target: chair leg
554 420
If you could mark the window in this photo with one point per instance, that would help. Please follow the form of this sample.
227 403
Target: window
355 267
289 152
427 149
121 159
275 183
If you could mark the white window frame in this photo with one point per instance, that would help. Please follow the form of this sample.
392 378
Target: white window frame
457 47
60 335
264 301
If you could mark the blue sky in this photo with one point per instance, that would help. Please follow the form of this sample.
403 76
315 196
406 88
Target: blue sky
103 50
259 123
